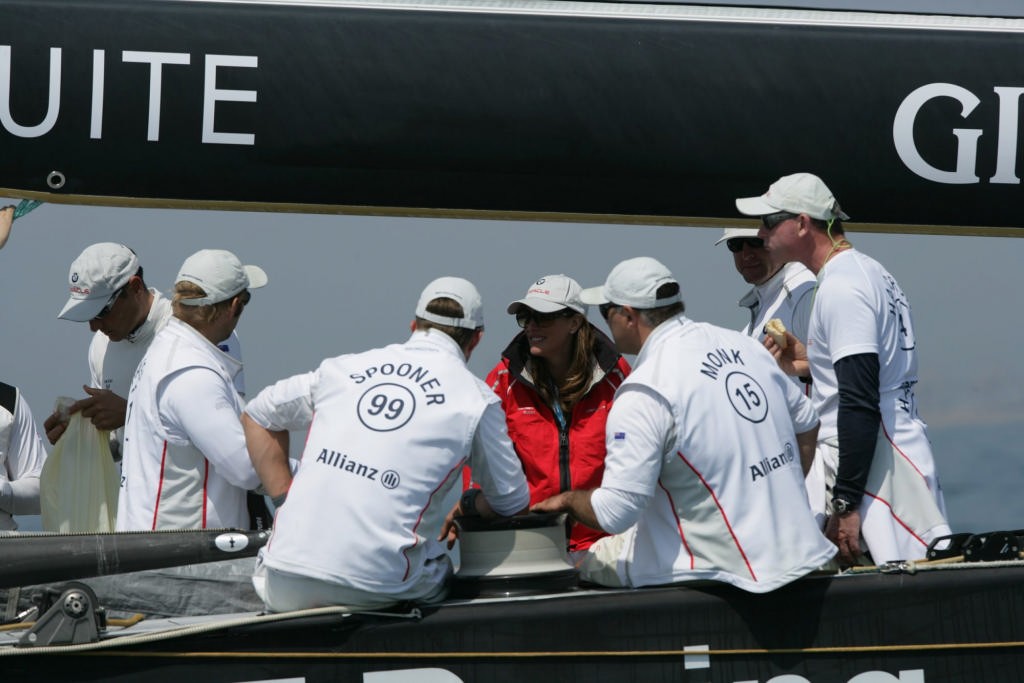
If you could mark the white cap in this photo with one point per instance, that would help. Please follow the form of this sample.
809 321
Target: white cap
94 277
731 233
634 282
797 193
220 274
459 290
549 294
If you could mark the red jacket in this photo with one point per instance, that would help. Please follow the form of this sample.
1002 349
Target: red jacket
553 461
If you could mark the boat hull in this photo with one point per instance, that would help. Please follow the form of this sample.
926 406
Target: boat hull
932 626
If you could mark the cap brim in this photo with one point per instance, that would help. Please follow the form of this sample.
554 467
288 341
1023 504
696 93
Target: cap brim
755 206
82 310
539 305
593 296
257 276
737 232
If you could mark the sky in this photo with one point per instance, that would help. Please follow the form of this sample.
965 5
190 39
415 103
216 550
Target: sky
342 284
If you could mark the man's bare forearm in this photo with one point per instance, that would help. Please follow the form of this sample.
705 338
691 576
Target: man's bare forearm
268 451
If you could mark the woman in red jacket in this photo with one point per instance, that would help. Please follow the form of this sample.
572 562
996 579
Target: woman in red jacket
556 381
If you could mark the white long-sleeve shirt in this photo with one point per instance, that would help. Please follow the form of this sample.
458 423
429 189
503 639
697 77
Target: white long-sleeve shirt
702 440
185 462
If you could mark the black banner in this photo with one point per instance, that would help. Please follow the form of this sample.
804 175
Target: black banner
651 113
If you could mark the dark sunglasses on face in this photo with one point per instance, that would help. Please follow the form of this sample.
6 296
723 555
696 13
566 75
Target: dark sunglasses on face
525 315
606 309
773 219
110 304
735 244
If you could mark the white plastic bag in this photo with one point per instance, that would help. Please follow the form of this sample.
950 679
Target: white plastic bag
78 486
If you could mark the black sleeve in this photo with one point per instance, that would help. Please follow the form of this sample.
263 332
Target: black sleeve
857 423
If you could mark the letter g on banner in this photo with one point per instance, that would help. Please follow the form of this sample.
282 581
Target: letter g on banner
967 138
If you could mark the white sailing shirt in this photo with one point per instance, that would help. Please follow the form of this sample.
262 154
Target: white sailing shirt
185 462
860 308
112 365
787 295
389 432
705 429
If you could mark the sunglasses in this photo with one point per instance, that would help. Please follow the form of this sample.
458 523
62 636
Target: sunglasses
736 244
606 309
110 304
526 315
773 219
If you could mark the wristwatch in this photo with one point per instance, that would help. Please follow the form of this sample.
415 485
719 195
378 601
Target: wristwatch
842 506
467 504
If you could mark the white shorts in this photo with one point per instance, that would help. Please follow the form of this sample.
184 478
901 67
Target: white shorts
600 562
287 592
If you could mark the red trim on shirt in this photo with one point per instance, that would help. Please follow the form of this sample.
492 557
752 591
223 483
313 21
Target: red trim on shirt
884 502
160 486
415 536
679 524
725 518
904 455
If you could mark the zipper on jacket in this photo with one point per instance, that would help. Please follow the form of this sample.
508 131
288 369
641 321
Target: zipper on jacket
565 476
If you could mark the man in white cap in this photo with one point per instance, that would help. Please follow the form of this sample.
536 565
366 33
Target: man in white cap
185 464
389 431
784 291
860 351
781 290
706 441
107 291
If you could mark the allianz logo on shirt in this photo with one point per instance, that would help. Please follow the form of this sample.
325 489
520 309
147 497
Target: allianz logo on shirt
389 479
769 465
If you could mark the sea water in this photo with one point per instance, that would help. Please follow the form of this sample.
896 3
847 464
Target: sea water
982 477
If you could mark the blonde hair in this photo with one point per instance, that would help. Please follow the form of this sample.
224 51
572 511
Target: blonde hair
196 316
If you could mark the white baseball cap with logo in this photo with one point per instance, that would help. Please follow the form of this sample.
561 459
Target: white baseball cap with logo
634 282
732 233
459 290
549 294
797 193
220 274
98 273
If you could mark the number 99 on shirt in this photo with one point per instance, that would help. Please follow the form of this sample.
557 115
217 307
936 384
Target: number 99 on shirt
386 407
